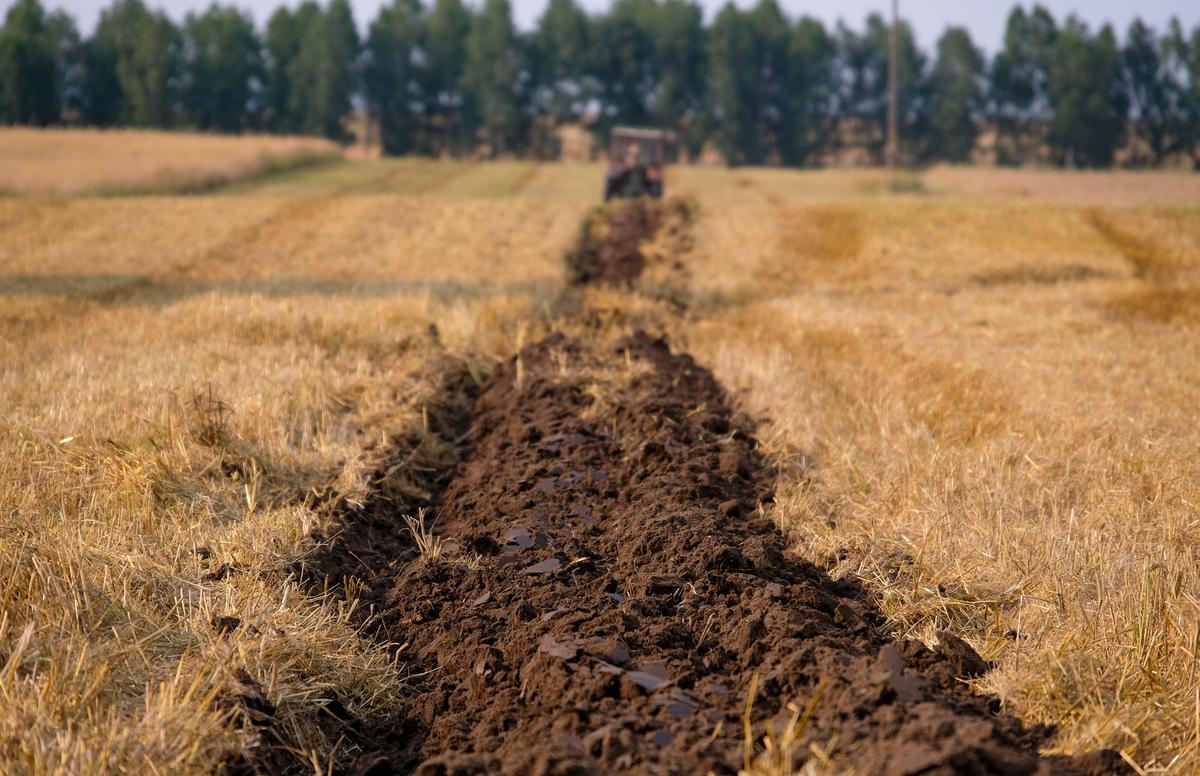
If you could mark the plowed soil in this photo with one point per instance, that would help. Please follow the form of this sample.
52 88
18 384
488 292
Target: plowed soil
615 592
369 541
609 251
608 596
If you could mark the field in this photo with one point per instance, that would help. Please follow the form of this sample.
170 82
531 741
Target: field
119 161
975 394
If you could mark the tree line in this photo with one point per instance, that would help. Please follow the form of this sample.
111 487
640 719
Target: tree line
756 85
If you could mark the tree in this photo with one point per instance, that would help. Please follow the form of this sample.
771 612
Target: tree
627 62
811 87
326 65
678 40
559 54
494 76
70 71
29 76
956 96
772 106
142 48
1087 96
864 90
222 63
762 89
449 108
1184 59
732 110
101 98
750 111
1154 93
392 76
1019 82
282 45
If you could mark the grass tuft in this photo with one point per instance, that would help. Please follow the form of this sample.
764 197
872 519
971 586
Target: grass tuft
428 544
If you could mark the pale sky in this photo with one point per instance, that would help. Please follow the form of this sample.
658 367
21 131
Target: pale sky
984 19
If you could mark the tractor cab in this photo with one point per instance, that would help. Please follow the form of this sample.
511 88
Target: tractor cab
636 158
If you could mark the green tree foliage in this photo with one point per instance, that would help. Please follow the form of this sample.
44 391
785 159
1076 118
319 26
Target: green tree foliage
751 112
312 68
495 76
771 106
626 64
1154 80
451 111
1087 96
811 58
142 48
864 93
731 120
392 75
222 63
956 96
30 84
1019 80
1185 61
70 69
559 53
1019 83
101 98
443 78
677 33
323 75
41 66
282 45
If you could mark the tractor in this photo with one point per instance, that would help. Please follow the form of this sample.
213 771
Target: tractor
635 163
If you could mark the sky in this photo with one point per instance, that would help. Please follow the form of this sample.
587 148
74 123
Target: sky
984 18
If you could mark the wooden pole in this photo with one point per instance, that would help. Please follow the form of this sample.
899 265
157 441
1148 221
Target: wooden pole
893 114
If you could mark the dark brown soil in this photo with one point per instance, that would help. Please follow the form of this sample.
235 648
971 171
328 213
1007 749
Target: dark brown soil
609 248
371 541
610 597
616 598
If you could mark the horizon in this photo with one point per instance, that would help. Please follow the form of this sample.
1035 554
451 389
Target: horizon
928 18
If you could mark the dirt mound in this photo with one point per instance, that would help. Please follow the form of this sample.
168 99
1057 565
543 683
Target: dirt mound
609 251
615 598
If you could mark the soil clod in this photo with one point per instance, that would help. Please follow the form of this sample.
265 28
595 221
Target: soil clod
639 641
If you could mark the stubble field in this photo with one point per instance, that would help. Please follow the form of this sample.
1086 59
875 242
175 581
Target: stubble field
132 161
975 392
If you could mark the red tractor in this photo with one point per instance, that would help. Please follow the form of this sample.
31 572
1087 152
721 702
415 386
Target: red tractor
635 163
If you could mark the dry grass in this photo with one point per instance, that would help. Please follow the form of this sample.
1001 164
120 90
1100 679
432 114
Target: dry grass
71 161
1163 248
965 414
972 422
1172 305
179 375
1119 189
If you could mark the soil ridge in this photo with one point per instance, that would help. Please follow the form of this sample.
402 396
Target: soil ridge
617 597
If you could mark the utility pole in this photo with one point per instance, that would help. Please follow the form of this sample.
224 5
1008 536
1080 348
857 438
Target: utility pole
893 114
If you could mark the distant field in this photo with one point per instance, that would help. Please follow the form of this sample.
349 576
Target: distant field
982 391
71 161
